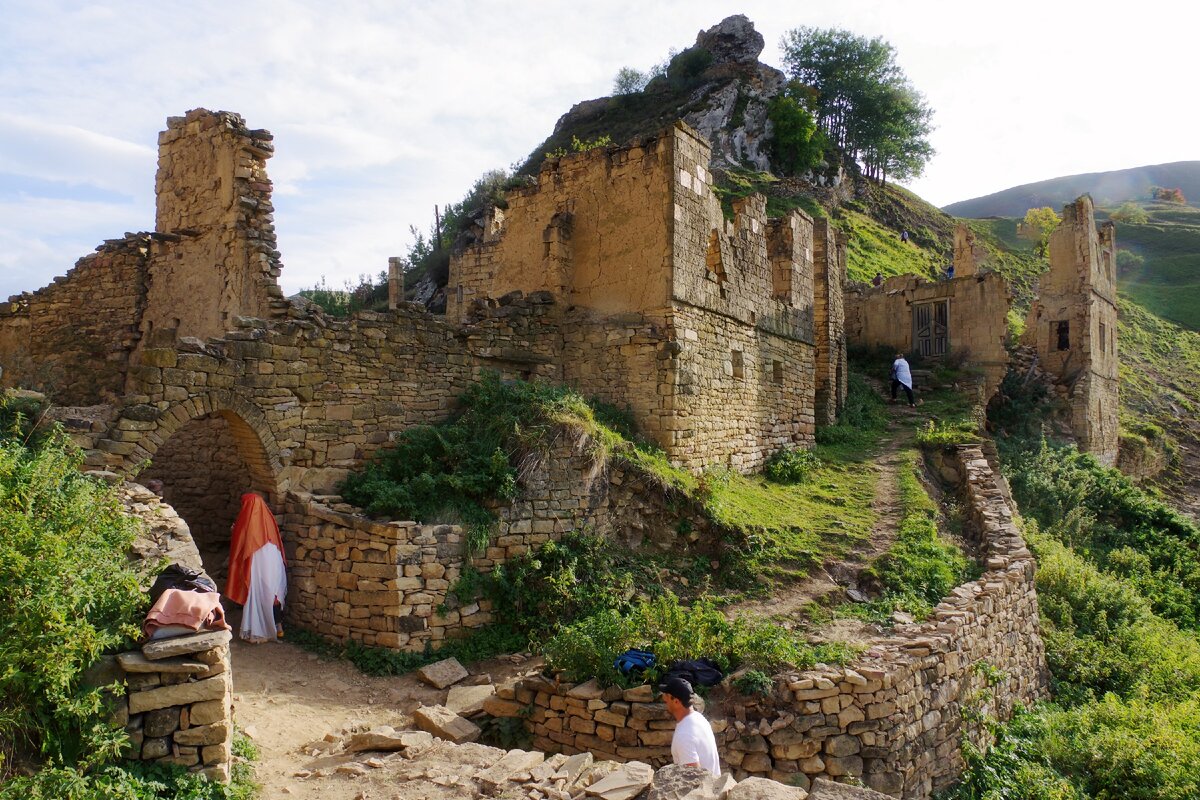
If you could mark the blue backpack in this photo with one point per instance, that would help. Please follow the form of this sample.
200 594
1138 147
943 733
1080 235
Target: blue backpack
633 662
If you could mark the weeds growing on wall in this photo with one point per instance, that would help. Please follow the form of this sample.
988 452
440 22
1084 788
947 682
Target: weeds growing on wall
458 471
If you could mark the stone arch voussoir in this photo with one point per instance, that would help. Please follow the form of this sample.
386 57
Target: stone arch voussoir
251 431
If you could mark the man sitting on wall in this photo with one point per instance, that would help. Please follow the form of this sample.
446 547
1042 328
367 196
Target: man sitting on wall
693 744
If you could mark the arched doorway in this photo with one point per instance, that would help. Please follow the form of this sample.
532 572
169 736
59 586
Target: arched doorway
204 468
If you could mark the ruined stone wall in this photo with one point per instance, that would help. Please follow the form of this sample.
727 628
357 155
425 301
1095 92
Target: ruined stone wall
594 231
1073 326
893 718
978 312
829 322
203 477
739 393
218 258
382 583
178 703
72 339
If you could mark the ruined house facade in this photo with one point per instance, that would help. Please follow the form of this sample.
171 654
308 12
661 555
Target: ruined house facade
1073 326
743 348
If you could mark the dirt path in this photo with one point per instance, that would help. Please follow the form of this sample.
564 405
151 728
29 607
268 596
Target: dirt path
835 577
286 699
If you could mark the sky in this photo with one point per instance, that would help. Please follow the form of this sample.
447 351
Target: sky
382 109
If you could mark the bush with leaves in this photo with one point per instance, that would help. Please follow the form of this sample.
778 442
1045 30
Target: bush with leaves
674 631
70 595
791 465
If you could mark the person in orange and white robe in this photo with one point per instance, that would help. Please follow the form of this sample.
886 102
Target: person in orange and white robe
257 574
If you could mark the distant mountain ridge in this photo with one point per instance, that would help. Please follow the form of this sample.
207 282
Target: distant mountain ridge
1106 188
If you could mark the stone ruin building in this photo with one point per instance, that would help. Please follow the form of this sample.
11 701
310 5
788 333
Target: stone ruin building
1072 325
619 274
175 351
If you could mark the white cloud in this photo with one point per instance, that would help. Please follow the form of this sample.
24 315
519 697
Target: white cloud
381 109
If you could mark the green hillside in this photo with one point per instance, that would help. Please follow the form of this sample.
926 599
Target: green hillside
1106 188
1163 273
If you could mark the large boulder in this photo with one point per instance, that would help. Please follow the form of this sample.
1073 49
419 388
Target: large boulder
733 39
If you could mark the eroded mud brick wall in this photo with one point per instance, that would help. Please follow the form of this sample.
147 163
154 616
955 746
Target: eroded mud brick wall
1073 326
977 312
894 718
72 339
214 205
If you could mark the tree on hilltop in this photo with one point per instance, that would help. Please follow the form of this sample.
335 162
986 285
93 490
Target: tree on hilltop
864 102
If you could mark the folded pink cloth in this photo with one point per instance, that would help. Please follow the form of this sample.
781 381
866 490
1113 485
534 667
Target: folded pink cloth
193 610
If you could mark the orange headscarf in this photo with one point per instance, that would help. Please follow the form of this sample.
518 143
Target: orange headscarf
254 528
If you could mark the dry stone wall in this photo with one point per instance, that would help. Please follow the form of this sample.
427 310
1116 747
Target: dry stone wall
893 718
178 703
386 584
72 339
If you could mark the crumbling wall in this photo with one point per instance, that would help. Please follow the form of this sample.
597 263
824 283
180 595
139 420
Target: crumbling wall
387 584
894 718
829 322
978 318
1073 326
218 256
72 339
594 231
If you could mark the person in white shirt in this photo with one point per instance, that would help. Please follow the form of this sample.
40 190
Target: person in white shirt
902 377
693 744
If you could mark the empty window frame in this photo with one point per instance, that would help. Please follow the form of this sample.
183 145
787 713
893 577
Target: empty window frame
739 363
1061 333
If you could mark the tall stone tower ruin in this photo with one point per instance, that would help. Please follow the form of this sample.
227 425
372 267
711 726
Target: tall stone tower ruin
1073 326
215 254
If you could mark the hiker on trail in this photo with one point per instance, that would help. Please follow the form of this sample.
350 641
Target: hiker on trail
693 744
904 236
257 578
902 376
877 280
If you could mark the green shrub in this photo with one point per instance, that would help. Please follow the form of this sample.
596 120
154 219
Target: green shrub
69 596
947 433
863 415
673 631
754 682
797 143
577 576
791 465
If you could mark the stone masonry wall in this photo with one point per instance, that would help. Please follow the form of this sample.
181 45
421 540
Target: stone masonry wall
738 393
893 718
72 339
883 317
1073 326
382 583
178 704
829 322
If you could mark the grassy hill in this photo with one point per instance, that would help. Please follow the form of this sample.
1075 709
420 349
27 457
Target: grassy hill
1164 273
1106 188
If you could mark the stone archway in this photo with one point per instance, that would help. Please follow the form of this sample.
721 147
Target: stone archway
206 452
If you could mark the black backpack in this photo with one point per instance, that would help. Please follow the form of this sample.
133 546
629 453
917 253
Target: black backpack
701 672
177 576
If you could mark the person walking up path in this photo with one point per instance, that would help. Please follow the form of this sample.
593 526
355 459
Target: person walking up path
902 377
